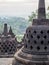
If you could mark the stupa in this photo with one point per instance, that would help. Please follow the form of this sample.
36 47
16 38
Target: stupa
36 42
8 42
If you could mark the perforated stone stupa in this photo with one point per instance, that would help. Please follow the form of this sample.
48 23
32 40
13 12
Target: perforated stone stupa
8 42
36 42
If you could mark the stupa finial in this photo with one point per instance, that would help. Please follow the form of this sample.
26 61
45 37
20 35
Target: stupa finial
41 10
10 30
5 29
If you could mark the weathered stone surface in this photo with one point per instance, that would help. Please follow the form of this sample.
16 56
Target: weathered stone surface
36 41
8 43
41 10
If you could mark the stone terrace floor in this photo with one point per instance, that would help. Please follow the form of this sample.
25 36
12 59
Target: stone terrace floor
6 61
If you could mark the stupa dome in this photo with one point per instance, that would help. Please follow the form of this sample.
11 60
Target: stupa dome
8 42
36 42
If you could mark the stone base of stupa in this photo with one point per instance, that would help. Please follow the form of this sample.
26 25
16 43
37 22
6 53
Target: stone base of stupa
21 58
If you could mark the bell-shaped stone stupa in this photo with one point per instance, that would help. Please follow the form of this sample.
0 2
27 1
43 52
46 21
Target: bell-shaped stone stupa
36 42
8 43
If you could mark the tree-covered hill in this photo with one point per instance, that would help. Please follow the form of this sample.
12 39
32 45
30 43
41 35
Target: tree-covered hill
18 24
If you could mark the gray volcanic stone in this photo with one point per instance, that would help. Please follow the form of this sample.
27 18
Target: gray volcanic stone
36 41
41 10
8 43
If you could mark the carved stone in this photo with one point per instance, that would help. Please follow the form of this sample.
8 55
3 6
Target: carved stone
8 43
36 42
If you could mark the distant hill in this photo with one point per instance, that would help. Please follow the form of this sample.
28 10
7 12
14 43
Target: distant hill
18 24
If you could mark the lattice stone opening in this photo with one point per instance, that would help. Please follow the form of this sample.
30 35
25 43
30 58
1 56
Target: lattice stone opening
35 42
48 31
38 36
48 42
42 42
41 32
45 36
26 46
31 36
35 31
31 47
45 48
28 41
38 48
0 42
27 35
29 31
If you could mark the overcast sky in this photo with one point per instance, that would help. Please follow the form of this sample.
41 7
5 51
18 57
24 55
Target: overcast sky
19 8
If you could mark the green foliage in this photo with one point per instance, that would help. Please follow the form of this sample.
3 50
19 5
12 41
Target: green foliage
32 16
48 8
19 37
35 14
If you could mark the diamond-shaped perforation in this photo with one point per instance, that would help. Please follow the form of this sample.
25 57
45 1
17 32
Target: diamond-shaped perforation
7 47
37 38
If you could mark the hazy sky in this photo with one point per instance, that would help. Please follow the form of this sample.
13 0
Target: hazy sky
19 8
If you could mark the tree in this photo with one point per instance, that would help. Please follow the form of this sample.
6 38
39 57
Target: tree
35 14
32 16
